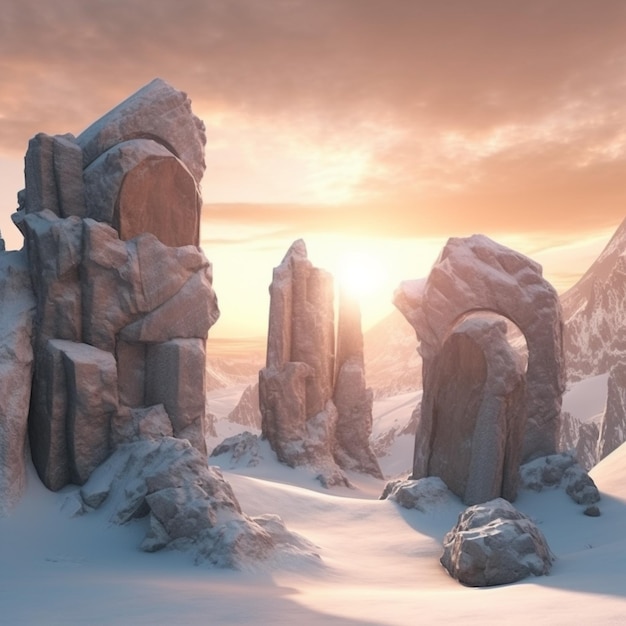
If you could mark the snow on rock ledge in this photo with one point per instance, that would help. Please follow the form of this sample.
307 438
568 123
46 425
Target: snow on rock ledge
494 544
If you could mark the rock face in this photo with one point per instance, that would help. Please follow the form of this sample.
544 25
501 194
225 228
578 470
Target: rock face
476 274
247 412
124 295
613 426
296 388
494 544
594 339
17 309
479 412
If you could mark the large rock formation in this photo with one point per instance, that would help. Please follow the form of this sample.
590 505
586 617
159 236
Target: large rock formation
296 388
479 412
477 274
123 294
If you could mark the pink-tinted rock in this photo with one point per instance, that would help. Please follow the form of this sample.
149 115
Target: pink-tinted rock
475 274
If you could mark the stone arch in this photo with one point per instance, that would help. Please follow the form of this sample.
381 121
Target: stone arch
476 273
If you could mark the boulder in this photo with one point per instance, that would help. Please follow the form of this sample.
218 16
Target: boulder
423 494
150 422
17 311
477 274
560 471
494 544
243 450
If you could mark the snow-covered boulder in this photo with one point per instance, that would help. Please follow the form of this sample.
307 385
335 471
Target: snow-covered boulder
494 544
242 449
422 494
560 470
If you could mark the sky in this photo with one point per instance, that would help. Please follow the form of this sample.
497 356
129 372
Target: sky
372 129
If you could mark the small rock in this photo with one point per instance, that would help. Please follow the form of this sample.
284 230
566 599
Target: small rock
592 511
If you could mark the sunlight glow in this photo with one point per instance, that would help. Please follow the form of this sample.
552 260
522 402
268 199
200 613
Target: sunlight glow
360 274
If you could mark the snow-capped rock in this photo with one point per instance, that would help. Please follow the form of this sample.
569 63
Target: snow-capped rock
494 544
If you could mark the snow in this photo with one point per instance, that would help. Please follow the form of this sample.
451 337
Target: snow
380 563
586 400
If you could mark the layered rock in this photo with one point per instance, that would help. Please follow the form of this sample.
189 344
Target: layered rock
17 311
477 274
297 386
124 295
494 544
351 396
479 413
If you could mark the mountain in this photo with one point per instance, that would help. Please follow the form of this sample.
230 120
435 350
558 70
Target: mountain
231 362
594 314
392 364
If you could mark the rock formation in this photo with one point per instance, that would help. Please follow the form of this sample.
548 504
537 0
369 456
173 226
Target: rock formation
479 412
107 307
476 274
494 544
296 388
17 308
351 396
124 298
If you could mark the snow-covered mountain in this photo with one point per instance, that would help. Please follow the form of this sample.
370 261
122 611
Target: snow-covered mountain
594 314
392 364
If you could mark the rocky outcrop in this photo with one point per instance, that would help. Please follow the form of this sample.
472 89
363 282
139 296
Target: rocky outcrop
494 544
477 274
189 506
479 413
17 310
296 388
247 411
124 295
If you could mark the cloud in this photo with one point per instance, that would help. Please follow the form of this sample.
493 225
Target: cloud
487 115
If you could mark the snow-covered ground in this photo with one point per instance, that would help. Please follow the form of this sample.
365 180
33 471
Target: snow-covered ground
379 562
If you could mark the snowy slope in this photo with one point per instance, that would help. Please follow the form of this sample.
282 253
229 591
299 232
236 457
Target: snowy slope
379 562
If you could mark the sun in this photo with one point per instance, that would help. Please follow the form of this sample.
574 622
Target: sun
360 274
